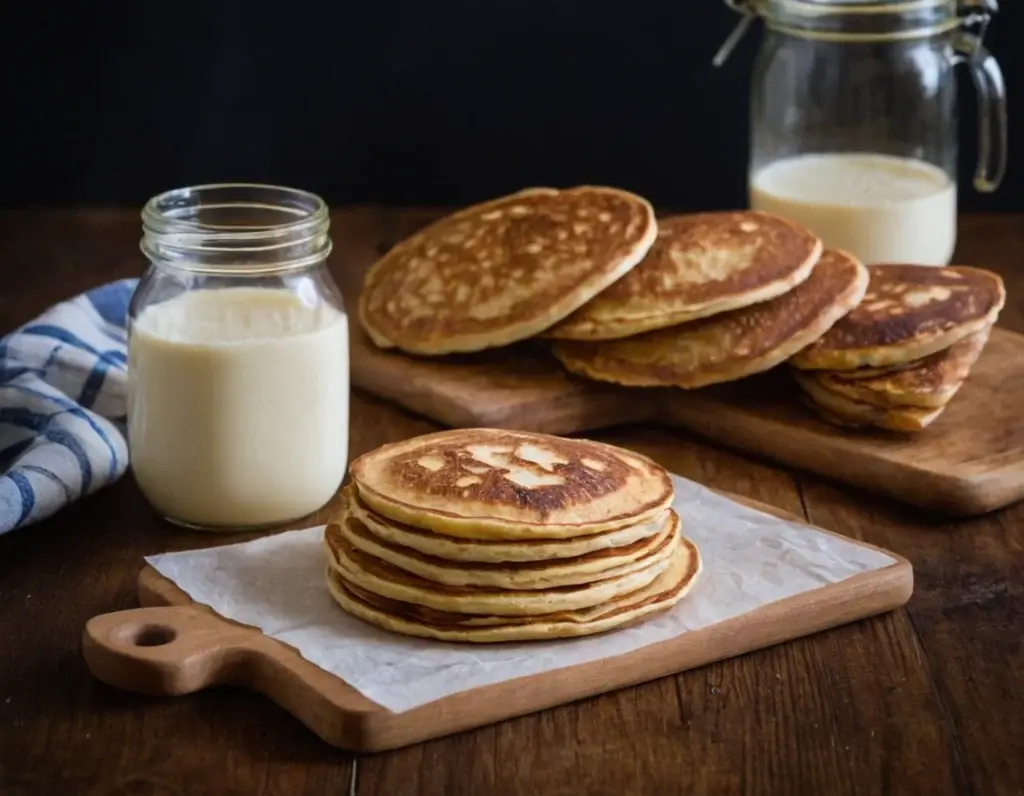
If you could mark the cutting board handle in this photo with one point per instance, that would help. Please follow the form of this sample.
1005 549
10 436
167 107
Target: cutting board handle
166 650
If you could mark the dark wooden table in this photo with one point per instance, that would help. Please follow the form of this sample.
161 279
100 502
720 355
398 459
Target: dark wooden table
928 700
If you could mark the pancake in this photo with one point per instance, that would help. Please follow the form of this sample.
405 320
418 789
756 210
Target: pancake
413 620
379 577
701 264
908 313
840 410
481 483
504 270
729 346
872 373
514 575
928 383
452 548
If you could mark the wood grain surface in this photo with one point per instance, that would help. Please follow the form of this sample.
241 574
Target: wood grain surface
171 647
926 700
969 462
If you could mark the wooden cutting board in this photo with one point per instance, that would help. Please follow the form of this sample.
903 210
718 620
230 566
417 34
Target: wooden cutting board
174 646
970 461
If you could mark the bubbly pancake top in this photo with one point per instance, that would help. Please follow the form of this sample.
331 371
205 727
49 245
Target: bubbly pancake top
907 303
504 270
726 343
701 260
525 484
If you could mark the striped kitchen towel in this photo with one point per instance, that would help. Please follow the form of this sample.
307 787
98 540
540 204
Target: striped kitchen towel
62 405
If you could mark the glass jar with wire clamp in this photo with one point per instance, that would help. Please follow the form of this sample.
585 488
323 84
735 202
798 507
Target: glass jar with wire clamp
854 119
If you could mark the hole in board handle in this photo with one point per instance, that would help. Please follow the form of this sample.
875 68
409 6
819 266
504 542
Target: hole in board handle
154 636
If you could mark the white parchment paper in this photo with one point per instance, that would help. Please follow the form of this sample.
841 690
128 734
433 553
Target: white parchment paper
277 584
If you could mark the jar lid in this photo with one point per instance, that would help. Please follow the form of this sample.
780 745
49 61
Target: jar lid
865 6
886 6
852 7
852 21
873 4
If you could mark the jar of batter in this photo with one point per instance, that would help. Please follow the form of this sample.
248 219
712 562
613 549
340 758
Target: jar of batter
854 120
238 378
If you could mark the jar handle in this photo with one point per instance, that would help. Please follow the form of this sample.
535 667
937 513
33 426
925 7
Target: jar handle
991 90
748 13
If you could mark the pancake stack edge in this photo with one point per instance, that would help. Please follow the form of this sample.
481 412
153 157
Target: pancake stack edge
485 535
903 353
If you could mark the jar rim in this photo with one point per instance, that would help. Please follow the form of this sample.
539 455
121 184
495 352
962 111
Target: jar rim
158 212
816 7
852 21
236 228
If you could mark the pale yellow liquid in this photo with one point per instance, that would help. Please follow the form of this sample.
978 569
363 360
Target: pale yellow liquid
881 209
238 406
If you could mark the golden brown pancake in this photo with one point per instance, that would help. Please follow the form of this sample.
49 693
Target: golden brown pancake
484 483
700 265
504 270
379 577
574 571
928 383
469 551
840 410
908 313
415 620
872 373
729 346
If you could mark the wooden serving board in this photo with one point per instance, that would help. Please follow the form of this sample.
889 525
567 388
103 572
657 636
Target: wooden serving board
174 646
970 461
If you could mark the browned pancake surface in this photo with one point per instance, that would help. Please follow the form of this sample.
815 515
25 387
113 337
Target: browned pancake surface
698 262
906 306
727 346
531 480
489 274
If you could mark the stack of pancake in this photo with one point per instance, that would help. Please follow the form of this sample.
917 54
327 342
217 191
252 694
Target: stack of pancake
684 301
485 535
900 356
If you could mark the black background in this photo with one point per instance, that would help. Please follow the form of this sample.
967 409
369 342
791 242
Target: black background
397 102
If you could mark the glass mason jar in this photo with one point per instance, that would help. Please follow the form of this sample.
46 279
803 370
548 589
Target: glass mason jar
238 379
854 121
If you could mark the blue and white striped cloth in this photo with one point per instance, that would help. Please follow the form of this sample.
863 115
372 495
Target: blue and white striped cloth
62 405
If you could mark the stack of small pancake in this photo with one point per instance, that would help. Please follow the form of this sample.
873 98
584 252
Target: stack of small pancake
684 301
485 535
897 359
